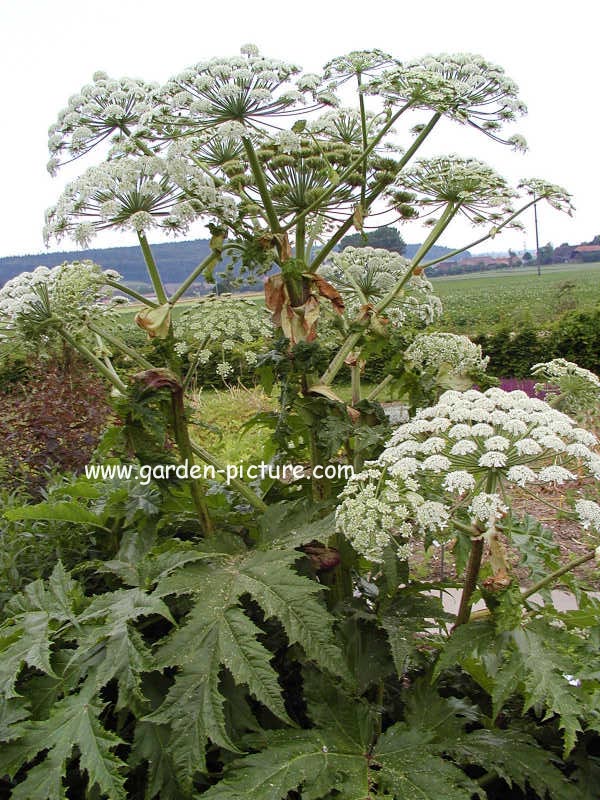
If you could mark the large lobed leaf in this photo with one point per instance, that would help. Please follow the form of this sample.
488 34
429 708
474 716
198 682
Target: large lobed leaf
218 635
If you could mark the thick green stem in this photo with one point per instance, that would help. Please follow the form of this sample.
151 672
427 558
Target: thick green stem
326 249
573 564
159 289
220 468
363 128
471 575
355 382
449 212
132 293
374 394
261 185
120 345
474 564
213 257
182 437
110 375
338 360
541 584
481 239
301 240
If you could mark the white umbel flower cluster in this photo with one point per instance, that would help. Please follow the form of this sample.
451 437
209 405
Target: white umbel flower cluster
243 89
217 325
139 194
103 108
450 352
484 195
517 438
555 195
578 388
73 290
461 454
463 86
377 512
589 514
364 275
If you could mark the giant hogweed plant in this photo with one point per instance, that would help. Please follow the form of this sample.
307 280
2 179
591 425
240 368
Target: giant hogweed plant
268 640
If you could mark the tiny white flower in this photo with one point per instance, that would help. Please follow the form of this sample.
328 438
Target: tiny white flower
555 474
459 481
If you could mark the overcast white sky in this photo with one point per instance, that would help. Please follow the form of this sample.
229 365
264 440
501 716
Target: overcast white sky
48 50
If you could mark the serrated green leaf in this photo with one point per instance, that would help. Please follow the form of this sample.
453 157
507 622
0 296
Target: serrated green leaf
406 623
64 511
12 711
310 760
151 746
545 681
270 579
27 642
74 724
516 758
218 634
194 710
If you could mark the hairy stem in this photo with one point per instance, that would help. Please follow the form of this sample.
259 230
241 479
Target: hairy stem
261 185
449 213
301 240
208 261
374 394
152 269
120 345
481 239
110 374
554 576
471 575
132 293
182 437
338 360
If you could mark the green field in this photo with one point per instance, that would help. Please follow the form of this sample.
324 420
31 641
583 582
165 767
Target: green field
477 302
480 301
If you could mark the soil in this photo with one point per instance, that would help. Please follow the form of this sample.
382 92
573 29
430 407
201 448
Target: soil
571 539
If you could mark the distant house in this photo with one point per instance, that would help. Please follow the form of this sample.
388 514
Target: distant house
564 253
587 252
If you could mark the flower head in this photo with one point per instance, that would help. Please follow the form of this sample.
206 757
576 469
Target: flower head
104 108
574 387
364 275
481 194
138 194
463 86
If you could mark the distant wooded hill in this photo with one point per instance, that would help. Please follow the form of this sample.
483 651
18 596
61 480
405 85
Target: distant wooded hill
175 259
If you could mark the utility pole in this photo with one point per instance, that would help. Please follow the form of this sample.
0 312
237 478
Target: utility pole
537 239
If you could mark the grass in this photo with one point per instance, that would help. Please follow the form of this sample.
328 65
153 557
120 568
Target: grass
479 302
219 417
